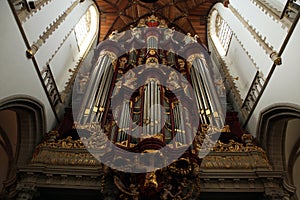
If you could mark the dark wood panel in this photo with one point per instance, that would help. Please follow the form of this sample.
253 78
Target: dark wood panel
189 16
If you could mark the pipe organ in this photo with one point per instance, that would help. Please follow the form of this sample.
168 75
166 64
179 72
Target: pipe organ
150 84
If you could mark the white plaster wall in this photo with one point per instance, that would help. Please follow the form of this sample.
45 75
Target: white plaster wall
64 60
60 49
240 66
266 26
278 4
37 24
255 51
283 87
53 42
17 73
69 53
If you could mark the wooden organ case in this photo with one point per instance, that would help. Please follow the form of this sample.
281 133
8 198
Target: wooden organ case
151 103
148 112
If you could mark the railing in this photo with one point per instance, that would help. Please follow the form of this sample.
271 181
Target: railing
252 94
50 85
290 10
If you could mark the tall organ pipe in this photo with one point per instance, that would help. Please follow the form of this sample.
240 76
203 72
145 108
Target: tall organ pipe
151 105
200 103
101 92
88 101
105 94
209 85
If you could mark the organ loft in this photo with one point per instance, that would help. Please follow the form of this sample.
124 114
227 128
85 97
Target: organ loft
149 100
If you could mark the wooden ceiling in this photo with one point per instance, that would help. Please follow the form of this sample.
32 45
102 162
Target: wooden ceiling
187 16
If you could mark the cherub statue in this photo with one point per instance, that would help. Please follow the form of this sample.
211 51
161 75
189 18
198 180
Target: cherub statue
188 39
122 62
151 180
162 24
141 23
173 80
83 79
115 35
220 87
181 64
129 79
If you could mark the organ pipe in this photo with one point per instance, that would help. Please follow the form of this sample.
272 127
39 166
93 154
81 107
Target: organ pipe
144 107
91 91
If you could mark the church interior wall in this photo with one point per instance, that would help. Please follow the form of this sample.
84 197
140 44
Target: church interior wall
284 81
18 75
241 66
244 58
283 85
262 23
250 45
60 51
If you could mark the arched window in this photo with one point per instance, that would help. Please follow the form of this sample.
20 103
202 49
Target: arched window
86 28
221 33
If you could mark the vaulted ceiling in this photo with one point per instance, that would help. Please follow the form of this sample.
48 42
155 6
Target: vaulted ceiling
187 16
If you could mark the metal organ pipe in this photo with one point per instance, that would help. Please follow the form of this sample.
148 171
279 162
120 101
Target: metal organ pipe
182 126
148 108
106 92
188 127
152 108
88 101
126 119
156 108
152 42
159 118
146 102
102 94
211 93
203 92
197 90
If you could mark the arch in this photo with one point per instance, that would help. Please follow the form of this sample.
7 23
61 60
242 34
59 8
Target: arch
219 32
86 28
272 134
30 122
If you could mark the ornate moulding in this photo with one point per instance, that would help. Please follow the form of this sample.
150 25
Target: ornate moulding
258 37
49 30
65 163
24 15
272 12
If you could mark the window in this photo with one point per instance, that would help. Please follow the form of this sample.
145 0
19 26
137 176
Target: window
223 32
83 27
86 28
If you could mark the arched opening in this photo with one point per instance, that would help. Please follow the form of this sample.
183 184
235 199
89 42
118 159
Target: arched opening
279 134
220 32
86 29
21 129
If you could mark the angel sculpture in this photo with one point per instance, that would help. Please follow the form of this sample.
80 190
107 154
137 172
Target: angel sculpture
188 39
116 36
